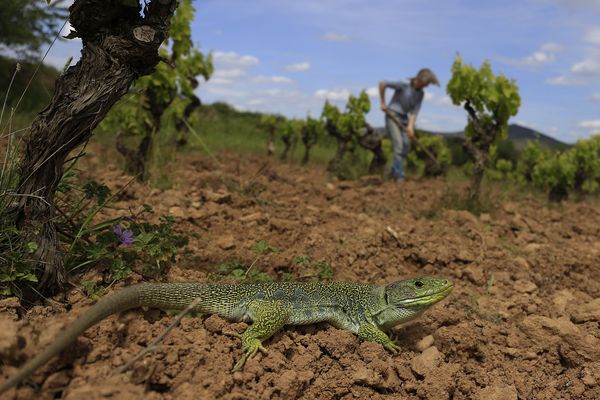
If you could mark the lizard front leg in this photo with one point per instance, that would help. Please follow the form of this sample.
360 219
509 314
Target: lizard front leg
267 318
372 333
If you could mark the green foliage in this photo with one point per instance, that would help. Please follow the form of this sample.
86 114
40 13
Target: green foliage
263 247
493 98
301 260
556 174
420 162
458 154
490 101
271 122
158 101
311 130
239 271
85 239
506 150
323 271
290 133
93 289
502 170
451 199
531 155
577 168
585 155
26 25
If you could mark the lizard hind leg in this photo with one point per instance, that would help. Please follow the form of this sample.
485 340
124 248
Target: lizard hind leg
267 317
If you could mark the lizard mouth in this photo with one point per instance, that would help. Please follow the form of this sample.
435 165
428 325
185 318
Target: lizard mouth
429 298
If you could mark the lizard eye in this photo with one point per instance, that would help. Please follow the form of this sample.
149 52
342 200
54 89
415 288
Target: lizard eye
419 284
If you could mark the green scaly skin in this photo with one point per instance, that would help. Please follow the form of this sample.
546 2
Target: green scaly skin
364 309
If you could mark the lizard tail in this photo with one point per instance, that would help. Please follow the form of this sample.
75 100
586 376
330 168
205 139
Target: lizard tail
152 295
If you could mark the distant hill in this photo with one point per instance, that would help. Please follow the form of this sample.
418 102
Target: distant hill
518 134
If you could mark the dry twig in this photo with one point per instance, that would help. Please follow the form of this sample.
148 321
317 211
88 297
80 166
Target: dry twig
154 345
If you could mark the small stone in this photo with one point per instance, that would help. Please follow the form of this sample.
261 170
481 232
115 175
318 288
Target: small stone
524 286
176 211
427 361
465 256
425 343
532 247
591 375
330 186
369 231
561 299
257 216
485 217
474 274
521 263
498 392
226 242
587 312
216 197
214 324
308 221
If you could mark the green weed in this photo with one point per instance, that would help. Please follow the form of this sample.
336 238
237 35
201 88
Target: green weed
262 247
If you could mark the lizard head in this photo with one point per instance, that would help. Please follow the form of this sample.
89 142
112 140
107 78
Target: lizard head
411 297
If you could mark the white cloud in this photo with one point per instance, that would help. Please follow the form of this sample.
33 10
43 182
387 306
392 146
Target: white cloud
229 73
545 55
595 97
271 79
443 100
233 60
220 81
256 102
524 123
335 37
565 81
587 67
590 124
298 67
333 94
223 92
593 35
373 91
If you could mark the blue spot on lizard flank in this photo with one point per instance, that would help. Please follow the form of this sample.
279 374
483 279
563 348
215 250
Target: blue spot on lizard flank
278 295
259 295
298 292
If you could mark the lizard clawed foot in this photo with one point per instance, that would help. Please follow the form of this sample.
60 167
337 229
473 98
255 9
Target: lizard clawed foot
232 334
250 347
392 347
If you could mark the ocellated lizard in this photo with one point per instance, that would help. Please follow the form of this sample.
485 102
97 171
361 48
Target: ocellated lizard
367 310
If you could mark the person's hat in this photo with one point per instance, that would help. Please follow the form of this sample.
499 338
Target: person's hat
426 76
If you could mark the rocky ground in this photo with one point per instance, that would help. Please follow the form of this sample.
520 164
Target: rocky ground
521 323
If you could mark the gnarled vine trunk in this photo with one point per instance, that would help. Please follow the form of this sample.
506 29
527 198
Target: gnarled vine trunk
119 45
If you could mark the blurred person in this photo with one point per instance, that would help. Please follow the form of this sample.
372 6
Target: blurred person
405 105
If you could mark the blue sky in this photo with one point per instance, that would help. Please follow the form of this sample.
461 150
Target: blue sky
287 57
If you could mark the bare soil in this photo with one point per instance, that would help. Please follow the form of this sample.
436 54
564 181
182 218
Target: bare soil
521 323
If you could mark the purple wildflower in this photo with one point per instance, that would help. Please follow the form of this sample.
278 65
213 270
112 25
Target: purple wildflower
125 236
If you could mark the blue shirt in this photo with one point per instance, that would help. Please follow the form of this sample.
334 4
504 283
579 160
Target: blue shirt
406 99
